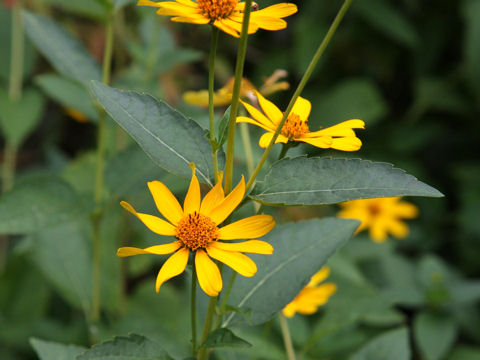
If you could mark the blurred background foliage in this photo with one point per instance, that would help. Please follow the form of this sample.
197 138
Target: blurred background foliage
409 69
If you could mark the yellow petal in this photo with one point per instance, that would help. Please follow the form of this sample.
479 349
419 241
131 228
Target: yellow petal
398 228
302 108
248 120
219 24
267 137
236 260
189 19
174 266
378 233
214 197
323 142
269 23
166 203
226 207
278 10
251 246
257 115
208 274
319 276
290 309
346 143
156 250
192 199
248 228
154 223
405 210
272 112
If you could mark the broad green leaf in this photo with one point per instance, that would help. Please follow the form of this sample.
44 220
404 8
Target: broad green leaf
319 181
301 249
91 8
47 350
170 139
19 118
391 345
471 49
223 337
131 347
63 255
68 93
435 334
37 203
65 53
465 353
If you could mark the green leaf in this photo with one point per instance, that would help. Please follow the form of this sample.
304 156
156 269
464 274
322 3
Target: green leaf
170 139
47 350
391 345
435 334
19 118
301 249
223 337
65 53
465 353
121 3
223 128
471 49
330 181
37 203
131 347
91 8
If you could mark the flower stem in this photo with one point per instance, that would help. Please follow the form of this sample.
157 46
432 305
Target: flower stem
211 84
287 339
285 149
193 311
242 50
203 353
306 76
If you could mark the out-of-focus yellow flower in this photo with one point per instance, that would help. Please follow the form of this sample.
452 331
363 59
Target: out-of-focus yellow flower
312 296
339 137
76 115
381 216
227 15
223 96
195 227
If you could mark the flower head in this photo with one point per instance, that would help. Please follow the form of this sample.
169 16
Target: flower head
196 229
312 296
295 128
381 216
227 15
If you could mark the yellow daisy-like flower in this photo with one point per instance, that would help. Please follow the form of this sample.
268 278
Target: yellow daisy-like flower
312 296
227 15
381 216
295 128
196 228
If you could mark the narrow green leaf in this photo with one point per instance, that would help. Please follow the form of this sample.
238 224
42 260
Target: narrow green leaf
222 338
131 347
391 345
47 350
435 334
223 128
170 139
301 249
65 53
319 181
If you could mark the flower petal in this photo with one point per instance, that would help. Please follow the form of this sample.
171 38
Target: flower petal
405 210
244 119
323 142
236 260
166 203
155 224
156 250
267 137
174 266
278 11
248 228
272 112
251 246
257 115
214 197
192 199
226 207
349 143
302 108
321 275
208 274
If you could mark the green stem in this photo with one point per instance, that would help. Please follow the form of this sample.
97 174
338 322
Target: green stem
193 311
301 86
223 304
242 50
247 147
287 339
285 149
203 353
211 84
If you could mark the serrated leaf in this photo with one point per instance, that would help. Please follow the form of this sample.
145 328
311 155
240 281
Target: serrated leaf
170 139
320 181
65 53
47 350
300 250
224 338
435 334
131 347
391 345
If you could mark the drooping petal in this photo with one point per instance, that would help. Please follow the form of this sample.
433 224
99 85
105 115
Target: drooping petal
208 274
214 197
323 142
251 246
248 120
378 231
192 199
156 250
236 260
224 27
190 19
346 143
272 112
321 275
154 223
267 137
302 108
248 228
398 228
174 266
166 203
226 207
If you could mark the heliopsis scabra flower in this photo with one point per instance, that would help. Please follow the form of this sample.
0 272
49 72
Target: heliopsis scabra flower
312 296
381 216
227 15
295 128
196 228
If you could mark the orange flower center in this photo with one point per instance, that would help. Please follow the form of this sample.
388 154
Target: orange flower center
294 127
196 231
374 209
217 9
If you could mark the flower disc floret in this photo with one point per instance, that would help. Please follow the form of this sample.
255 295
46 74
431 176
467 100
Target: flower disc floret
294 127
217 9
196 231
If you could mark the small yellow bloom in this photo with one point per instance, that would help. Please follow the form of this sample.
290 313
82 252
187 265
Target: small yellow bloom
295 128
381 216
312 296
227 15
195 227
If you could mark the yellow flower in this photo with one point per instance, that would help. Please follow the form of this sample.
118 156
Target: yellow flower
227 15
340 136
196 228
381 216
312 296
